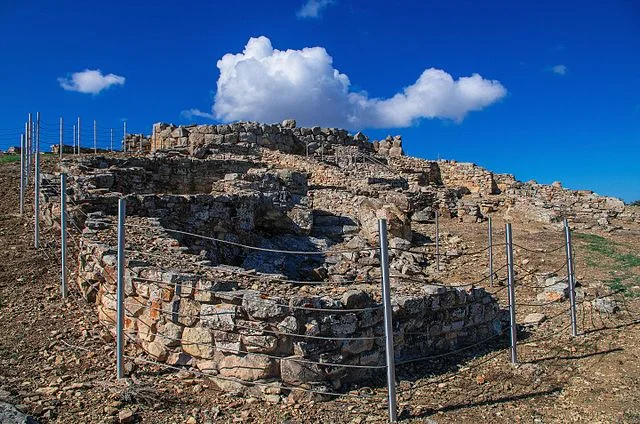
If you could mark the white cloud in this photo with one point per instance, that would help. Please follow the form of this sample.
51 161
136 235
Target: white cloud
197 113
90 81
313 8
559 69
268 85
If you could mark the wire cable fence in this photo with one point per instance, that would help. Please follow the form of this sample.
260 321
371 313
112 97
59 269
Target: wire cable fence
83 240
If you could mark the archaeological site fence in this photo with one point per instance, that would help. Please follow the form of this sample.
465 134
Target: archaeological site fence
310 344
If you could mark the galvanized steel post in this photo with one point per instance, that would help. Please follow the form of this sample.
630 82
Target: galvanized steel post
61 142
22 153
388 321
512 294
63 233
571 278
95 137
122 205
36 191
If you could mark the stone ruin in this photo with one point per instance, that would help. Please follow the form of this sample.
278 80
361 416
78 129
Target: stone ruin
283 320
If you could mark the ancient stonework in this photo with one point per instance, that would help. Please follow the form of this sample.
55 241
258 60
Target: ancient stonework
213 210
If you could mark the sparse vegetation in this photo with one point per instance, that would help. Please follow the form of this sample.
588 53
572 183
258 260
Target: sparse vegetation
9 159
604 253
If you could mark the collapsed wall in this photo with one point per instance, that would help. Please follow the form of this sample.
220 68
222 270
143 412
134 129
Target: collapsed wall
326 342
209 303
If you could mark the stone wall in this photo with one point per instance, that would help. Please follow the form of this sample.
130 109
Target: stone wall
137 143
218 327
551 203
469 175
201 140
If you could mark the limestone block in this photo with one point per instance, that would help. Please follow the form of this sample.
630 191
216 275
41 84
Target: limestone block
249 367
198 342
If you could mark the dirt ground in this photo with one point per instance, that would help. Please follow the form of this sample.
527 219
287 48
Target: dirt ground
58 364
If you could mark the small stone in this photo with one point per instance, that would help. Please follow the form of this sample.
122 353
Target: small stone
534 319
126 416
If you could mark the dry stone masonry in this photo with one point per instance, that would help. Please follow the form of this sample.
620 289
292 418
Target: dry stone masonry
288 320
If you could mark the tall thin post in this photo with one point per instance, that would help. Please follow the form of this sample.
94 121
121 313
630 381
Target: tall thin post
111 138
29 139
36 191
78 138
95 137
63 234
124 136
490 253
388 321
61 141
22 179
571 278
74 139
122 205
437 241
512 294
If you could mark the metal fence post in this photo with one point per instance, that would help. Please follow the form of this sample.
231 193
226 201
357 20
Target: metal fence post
437 241
61 141
490 253
571 278
36 195
95 137
388 321
512 295
122 205
63 233
22 179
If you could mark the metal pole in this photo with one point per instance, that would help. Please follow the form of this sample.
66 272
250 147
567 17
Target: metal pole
437 241
111 144
95 137
124 136
61 142
78 138
512 294
571 278
63 233
22 157
29 135
36 192
122 205
388 321
490 253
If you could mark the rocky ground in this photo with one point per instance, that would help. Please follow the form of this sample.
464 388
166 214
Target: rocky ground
57 363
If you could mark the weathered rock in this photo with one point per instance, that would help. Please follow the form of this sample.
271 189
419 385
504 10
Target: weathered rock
534 319
371 210
606 305
10 415
198 342
264 308
293 371
249 367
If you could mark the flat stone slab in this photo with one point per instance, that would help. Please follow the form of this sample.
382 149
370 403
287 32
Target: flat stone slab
534 319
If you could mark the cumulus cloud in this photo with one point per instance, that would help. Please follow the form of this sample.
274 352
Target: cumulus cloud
559 69
313 8
90 81
268 85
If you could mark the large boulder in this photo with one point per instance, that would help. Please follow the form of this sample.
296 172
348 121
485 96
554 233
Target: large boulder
371 210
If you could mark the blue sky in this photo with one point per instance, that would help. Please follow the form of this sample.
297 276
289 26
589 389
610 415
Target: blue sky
558 97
